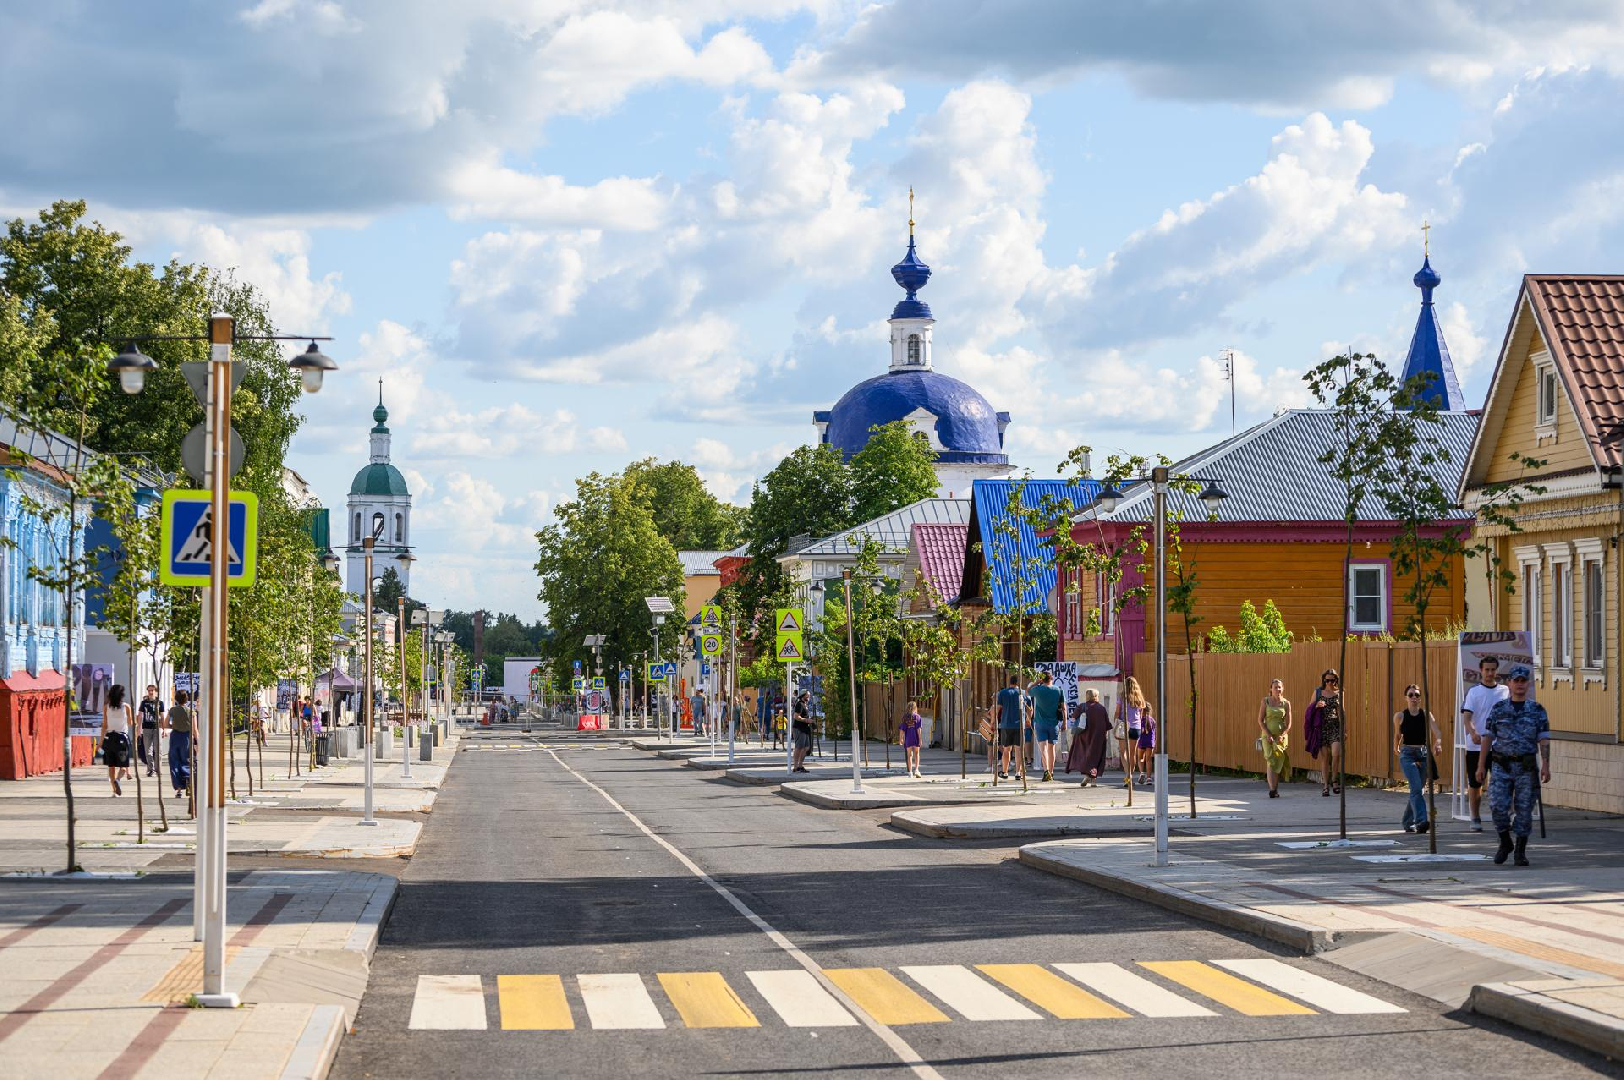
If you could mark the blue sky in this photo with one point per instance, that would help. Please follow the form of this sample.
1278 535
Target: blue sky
570 234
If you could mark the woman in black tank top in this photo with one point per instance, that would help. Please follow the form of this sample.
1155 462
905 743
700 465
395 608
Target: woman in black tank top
1414 729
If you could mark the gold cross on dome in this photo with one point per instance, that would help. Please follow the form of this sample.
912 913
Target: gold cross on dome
1426 239
910 210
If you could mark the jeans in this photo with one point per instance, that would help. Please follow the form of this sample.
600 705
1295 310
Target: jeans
180 760
1413 759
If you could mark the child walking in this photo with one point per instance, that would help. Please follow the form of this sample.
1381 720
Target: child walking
911 723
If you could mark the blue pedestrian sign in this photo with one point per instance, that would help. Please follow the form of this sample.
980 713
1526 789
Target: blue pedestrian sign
671 670
186 536
625 675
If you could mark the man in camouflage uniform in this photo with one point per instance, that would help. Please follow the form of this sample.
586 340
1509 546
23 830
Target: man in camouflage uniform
1517 740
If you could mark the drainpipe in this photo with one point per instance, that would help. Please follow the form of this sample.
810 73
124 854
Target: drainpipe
1618 629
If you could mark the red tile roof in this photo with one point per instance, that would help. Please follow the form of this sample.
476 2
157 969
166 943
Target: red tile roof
1581 318
941 555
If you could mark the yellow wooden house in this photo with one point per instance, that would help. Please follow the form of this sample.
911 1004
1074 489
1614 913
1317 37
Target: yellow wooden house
1558 397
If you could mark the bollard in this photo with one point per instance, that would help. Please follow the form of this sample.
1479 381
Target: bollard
425 749
385 742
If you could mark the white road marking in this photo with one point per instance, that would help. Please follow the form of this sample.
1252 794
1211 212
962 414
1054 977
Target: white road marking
1131 991
1308 987
448 1003
799 1000
898 1045
618 1003
968 993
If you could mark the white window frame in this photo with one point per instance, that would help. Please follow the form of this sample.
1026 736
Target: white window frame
1106 590
1383 598
913 349
1074 603
1547 388
1531 585
1592 558
1559 561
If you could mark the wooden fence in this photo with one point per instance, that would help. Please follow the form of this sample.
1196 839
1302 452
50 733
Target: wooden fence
1233 685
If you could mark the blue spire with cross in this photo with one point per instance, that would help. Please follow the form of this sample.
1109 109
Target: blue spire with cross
1429 354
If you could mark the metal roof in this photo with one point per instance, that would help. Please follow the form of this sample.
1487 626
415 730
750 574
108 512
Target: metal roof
1272 472
892 530
992 498
699 563
941 555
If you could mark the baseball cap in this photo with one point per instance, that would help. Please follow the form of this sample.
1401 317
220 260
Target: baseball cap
1519 671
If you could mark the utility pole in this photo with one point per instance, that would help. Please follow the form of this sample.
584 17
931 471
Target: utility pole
405 695
1229 374
367 734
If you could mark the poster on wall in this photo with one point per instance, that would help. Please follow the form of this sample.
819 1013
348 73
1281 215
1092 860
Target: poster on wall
90 685
286 691
1065 678
1507 646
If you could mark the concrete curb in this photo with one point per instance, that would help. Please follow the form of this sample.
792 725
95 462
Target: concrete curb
998 831
847 802
1300 936
317 1048
1545 1015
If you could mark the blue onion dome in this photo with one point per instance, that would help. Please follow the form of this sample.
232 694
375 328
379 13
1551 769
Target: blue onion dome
911 273
965 426
1427 277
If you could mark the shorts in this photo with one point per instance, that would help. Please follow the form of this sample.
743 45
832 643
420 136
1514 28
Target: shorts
1046 733
1133 735
1472 758
803 740
1009 736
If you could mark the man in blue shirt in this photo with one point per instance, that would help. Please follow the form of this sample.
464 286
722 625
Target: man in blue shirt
1048 709
1517 739
1011 724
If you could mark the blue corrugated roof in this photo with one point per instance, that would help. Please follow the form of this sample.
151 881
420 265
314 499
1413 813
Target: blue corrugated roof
990 506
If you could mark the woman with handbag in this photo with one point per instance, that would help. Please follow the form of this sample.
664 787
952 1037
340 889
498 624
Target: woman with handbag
1131 707
115 737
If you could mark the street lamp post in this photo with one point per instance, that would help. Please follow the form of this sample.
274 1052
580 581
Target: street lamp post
219 377
851 681
1212 496
367 697
659 607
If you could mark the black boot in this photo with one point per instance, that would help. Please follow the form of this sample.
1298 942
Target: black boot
1522 851
1505 849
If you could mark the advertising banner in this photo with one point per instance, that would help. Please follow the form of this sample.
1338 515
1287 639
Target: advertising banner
1507 646
90 685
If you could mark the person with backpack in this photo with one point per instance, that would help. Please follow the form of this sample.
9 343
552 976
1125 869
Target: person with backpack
180 744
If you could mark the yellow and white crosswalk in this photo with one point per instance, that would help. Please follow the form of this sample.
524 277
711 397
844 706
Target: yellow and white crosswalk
913 994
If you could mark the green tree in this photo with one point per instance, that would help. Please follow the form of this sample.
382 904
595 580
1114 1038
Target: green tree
808 493
598 560
683 509
942 650
894 468
1263 632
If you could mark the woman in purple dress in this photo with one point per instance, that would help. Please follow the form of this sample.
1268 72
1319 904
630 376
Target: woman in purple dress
1147 743
911 723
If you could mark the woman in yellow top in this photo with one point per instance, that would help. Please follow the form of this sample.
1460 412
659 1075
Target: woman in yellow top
1274 719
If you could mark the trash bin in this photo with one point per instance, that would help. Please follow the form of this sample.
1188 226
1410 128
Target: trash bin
324 748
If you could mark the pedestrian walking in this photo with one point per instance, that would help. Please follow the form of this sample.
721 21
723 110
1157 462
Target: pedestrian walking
1517 741
1048 710
1480 702
910 726
801 729
152 715
1415 731
1088 740
117 722
1322 731
1131 707
1011 724
1274 720
701 712
180 744
1147 744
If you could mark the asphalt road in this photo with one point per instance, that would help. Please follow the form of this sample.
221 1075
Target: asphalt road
526 868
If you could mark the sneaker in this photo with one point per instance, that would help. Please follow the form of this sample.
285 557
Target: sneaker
1477 824
1409 828
1422 826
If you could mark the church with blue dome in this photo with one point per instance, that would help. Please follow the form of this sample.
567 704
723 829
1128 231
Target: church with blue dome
964 430
380 504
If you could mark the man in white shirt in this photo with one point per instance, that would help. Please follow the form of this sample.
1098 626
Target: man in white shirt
1480 701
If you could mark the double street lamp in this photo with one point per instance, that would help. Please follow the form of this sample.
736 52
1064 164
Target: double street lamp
214 381
1212 496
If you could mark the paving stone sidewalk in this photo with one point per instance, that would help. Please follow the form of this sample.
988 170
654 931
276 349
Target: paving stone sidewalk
95 973
1541 946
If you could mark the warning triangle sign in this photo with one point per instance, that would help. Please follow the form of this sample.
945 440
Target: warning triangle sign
789 621
790 649
196 547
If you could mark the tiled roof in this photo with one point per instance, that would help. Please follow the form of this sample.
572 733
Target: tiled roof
699 563
893 529
1272 472
1582 321
991 499
941 556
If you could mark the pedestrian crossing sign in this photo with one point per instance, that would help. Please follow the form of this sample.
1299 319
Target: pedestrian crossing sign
710 644
789 649
656 671
711 616
186 536
577 683
790 620
598 683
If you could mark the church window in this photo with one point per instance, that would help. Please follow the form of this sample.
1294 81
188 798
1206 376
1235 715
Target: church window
355 537
400 528
913 349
